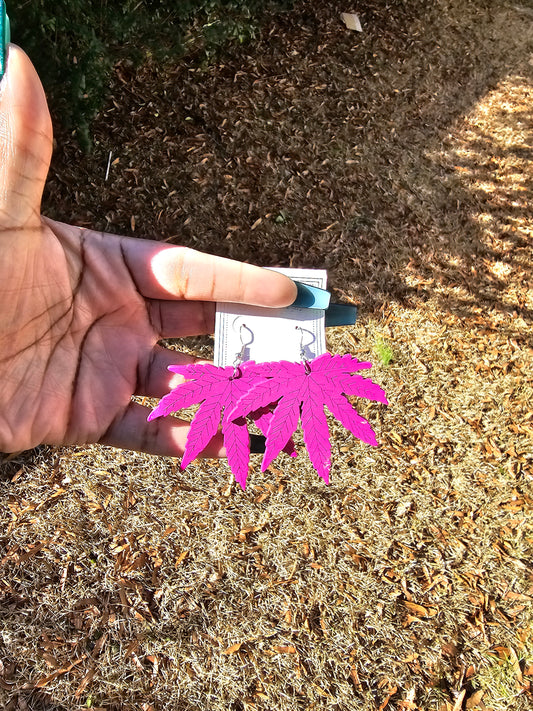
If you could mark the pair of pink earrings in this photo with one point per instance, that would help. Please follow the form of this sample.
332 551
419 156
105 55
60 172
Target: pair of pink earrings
276 396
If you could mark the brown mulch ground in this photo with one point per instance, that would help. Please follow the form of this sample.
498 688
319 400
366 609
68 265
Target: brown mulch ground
400 159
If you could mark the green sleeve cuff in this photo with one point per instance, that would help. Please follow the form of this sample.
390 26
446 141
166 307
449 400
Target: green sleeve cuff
5 36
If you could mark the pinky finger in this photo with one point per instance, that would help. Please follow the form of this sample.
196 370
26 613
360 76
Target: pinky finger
165 436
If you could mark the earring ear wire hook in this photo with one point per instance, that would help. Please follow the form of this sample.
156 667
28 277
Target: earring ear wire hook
305 359
239 358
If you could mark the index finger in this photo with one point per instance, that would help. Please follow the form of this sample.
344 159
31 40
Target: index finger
167 272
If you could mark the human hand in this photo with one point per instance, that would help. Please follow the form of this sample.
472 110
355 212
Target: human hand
81 312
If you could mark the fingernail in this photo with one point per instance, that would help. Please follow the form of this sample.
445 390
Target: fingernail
311 297
257 444
5 37
341 315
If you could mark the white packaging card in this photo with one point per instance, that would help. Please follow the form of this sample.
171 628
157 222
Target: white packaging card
263 334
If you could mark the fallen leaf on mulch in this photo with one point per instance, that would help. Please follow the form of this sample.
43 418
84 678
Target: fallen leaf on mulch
351 20
59 672
420 609
473 701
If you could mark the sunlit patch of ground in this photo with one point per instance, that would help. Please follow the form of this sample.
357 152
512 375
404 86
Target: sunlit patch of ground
492 156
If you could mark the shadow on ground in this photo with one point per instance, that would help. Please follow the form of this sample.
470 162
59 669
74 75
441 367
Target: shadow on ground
388 156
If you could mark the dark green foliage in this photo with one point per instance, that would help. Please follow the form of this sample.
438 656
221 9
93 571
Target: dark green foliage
74 43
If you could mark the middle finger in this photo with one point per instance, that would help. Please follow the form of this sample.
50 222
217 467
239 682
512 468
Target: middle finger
154 378
177 319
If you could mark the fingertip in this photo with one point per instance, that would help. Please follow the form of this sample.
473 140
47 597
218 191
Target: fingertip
21 82
25 137
176 380
285 292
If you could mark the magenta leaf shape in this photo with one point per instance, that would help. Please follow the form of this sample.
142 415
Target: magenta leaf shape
218 391
262 419
302 390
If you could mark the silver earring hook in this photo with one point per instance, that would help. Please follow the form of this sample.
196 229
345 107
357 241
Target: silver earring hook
239 358
303 356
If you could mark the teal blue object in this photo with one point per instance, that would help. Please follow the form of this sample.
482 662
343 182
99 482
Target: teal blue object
311 297
341 315
5 36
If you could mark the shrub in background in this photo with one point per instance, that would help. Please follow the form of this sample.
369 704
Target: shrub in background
74 43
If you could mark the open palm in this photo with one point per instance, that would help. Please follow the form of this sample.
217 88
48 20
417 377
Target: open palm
81 312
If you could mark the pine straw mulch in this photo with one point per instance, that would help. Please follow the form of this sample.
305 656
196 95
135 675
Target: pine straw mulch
398 158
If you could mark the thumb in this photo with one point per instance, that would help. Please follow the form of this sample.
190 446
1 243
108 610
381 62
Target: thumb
25 142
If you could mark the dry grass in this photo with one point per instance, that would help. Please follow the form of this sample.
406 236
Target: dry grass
401 159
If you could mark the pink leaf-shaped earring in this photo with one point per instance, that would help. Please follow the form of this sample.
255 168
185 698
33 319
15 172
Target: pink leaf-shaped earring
218 390
301 390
